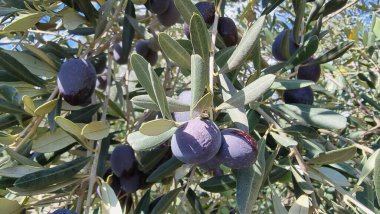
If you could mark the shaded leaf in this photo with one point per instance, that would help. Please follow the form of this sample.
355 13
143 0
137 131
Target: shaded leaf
290 84
334 156
52 141
53 175
283 140
18 171
18 70
310 115
199 77
164 203
249 180
164 170
219 183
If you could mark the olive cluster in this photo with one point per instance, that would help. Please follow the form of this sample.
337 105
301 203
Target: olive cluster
305 72
199 141
226 26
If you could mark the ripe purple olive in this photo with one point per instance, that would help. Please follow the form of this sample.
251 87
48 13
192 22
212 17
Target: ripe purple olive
131 183
228 31
76 81
207 10
277 49
238 149
63 211
170 16
196 141
300 95
123 160
157 6
309 72
142 48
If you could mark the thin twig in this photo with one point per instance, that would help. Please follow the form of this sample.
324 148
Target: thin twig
347 140
296 153
99 142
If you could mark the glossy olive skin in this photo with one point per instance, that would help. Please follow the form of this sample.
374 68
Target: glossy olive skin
196 141
142 48
207 10
228 31
238 149
123 160
309 72
299 96
76 81
276 46
118 55
157 6
63 211
170 16
131 183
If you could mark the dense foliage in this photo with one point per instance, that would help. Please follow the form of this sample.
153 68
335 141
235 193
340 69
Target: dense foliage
183 106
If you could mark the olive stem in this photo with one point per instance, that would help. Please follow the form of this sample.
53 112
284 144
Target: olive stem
188 184
31 129
94 166
296 153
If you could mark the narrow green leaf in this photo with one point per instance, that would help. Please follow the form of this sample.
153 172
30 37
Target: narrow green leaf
219 183
110 203
51 176
376 177
8 206
290 84
237 115
368 167
249 180
23 22
143 205
159 93
314 116
334 156
156 127
105 12
146 102
96 130
14 67
194 201
43 190
8 107
186 8
164 203
283 140
204 103
174 50
28 104
141 142
200 37
245 46
20 158
304 52
73 130
249 93
199 77
52 141
300 206
332 54
277 205
46 107
18 171
306 187
164 170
